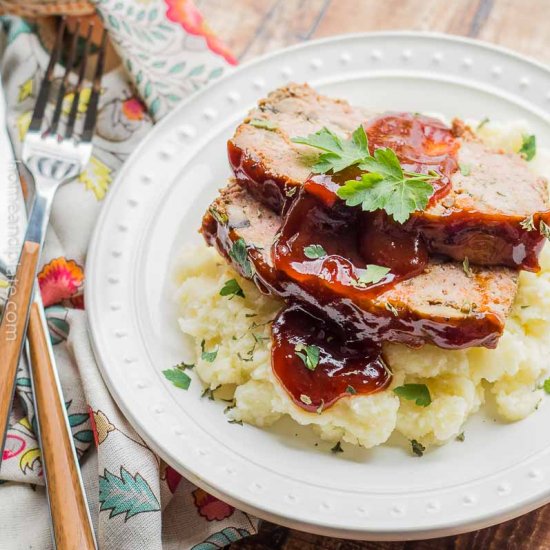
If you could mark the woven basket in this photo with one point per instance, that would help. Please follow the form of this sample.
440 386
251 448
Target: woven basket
41 8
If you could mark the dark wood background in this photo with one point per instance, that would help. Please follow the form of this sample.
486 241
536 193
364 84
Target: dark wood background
253 27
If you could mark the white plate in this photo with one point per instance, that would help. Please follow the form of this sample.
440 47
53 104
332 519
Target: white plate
155 205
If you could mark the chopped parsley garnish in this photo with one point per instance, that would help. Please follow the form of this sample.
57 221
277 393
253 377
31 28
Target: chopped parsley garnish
239 254
178 378
417 448
229 407
465 169
232 288
546 385
544 229
528 223
208 393
466 267
337 448
374 274
264 124
305 399
259 339
482 123
391 309
385 187
208 356
314 251
220 217
460 437
290 190
233 421
351 390
183 366
419 393
528 147
308 354
338 153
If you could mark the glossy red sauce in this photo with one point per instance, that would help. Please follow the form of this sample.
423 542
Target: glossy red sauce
352 239
342 370
421 143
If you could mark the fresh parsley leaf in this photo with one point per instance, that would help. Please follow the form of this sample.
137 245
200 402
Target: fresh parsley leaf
460 437
417 448
208 356
305 399
177 377
351 390
544 229
419 393
264 124
232 288
308 354
466 267
387 187
528 223
546 385
374 274
337 448
465 169
314 251
239 254
528 147
338 153
234 421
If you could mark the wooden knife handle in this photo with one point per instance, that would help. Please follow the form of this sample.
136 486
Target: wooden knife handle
13 328
71 525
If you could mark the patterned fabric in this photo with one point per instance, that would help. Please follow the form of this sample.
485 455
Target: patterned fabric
136 500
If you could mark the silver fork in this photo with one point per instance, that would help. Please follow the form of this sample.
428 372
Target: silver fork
52 160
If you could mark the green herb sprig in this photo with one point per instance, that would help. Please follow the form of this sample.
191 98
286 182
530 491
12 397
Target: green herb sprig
386 186
308 354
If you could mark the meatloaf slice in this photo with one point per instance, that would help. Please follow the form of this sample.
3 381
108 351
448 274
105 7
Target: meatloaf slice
442 306
481 218
267 158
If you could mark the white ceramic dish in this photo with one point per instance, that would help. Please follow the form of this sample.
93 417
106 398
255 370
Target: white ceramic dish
155 205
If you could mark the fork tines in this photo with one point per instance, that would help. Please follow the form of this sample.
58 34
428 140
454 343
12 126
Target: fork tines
78 65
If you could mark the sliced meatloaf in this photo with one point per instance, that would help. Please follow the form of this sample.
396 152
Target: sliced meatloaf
480 218
268 157
442 306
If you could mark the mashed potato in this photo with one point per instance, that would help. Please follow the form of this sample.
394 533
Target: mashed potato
459 381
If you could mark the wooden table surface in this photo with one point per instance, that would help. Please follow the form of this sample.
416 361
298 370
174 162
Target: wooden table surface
253 27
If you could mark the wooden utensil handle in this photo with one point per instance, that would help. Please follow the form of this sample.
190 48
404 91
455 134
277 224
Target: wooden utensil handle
71 525
13 328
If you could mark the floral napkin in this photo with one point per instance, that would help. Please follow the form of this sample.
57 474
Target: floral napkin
136 501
